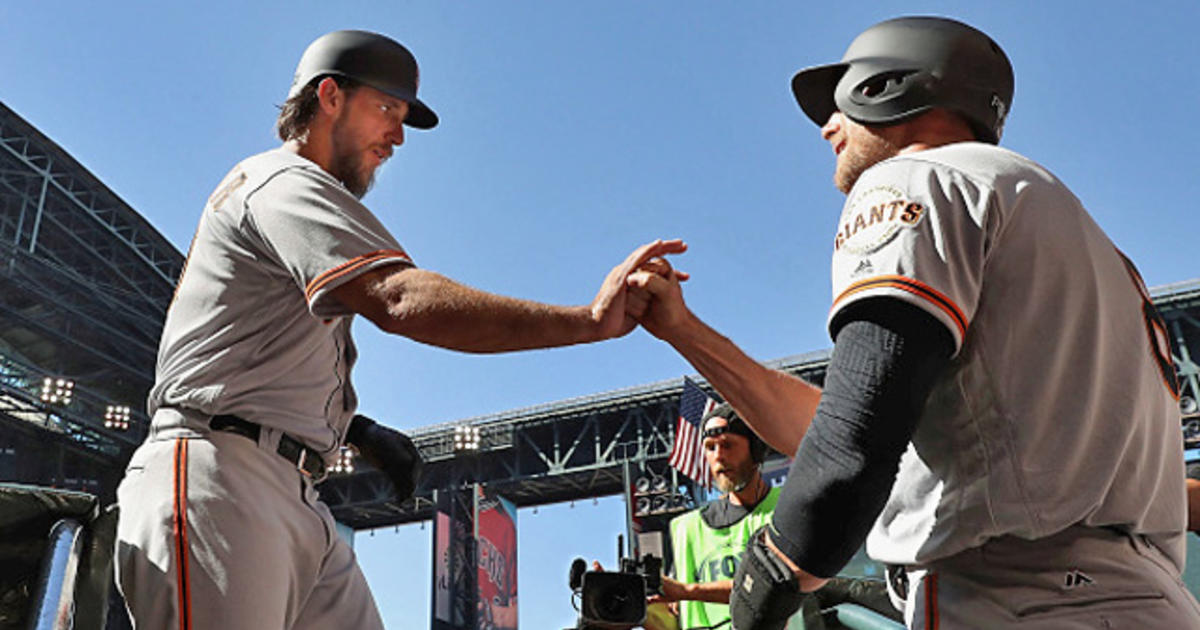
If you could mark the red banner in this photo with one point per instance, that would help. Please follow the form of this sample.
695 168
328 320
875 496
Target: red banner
496 520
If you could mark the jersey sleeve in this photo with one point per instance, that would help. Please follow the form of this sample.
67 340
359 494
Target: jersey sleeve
321 234
913 231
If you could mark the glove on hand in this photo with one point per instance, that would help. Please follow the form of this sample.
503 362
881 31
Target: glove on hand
765 591
388 451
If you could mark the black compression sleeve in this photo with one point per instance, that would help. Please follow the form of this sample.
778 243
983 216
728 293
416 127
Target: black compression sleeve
885 358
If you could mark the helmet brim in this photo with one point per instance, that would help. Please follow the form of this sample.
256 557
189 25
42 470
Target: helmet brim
420 116
814 87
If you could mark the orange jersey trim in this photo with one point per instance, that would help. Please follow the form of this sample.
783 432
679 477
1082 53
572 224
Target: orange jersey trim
919 289
349 267
180 531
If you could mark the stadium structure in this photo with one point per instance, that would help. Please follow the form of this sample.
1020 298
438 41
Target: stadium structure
85 282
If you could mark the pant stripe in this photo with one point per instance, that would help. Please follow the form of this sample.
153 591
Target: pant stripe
931 610
180 527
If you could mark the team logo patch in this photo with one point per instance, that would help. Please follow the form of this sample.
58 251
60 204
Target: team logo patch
874 217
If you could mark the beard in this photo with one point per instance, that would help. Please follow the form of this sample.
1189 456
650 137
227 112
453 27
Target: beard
347 164
734 479
867 150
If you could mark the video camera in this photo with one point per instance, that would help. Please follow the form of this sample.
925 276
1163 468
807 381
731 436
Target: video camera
615 600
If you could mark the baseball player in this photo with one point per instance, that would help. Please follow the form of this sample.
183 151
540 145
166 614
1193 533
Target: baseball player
220 524
999 419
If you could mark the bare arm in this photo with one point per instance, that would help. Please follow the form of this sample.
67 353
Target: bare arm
428 307
777 405
713 592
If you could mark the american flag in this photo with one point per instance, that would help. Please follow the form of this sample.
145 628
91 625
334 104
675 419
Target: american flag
687 455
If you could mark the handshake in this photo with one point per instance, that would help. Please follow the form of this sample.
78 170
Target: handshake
644 289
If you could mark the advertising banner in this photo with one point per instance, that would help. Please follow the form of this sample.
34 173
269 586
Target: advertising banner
496 520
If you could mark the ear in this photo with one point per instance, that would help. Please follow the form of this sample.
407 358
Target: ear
330 96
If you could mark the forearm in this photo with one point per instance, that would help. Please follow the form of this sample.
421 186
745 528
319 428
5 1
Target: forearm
712 592
777 405
883 368
428 307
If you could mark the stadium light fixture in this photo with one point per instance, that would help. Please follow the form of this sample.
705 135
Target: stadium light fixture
57 391
344 462
116 417
466 439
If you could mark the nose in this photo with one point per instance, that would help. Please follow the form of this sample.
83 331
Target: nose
395 135
831 126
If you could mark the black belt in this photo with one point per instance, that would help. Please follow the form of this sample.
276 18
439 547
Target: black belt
306 459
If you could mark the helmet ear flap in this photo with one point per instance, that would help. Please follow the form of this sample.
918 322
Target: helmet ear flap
886 97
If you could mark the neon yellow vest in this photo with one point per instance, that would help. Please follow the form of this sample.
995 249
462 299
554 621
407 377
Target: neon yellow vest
704 554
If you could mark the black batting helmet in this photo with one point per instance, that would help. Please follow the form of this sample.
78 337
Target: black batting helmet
371 59
906 66
734 424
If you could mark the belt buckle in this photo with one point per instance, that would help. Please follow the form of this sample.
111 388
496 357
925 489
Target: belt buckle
300 463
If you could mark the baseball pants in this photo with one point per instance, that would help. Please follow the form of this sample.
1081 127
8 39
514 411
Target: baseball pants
1082 578
215 532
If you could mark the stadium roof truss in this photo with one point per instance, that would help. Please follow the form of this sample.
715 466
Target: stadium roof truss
85 282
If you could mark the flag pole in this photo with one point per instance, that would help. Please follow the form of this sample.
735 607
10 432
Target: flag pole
628 491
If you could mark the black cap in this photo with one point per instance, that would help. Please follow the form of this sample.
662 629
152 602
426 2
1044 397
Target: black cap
734 424
371 59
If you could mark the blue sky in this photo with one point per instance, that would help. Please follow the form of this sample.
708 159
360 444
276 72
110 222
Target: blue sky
572 132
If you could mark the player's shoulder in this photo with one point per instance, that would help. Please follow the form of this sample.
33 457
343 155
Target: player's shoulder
282 176
265 166
981 164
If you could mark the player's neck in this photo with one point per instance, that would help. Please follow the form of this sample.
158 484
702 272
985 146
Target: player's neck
314 145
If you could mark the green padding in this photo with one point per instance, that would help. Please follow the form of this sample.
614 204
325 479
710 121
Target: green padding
855 617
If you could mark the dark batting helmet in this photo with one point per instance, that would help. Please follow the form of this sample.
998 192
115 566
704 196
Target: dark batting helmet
734 424
371 59
906 66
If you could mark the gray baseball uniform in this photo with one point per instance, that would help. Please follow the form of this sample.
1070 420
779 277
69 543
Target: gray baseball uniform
1056 418
215 530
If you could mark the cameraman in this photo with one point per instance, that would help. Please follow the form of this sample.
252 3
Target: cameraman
708 542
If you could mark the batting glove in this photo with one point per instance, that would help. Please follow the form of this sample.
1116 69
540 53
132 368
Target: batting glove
388 451
765 591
